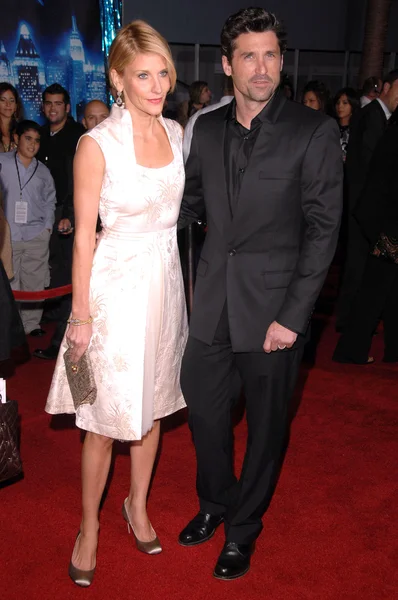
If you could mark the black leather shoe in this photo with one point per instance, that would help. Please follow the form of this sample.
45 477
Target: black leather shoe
37 332
234 560
49 353
200 529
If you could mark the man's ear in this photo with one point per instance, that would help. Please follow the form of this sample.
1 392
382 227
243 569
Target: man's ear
67 108
386 88
226 66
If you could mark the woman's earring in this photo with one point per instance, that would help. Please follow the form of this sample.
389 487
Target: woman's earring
119 100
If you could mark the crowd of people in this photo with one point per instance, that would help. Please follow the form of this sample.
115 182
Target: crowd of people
266 174
36 209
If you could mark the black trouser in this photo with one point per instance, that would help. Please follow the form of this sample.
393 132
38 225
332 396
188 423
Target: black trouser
354 266
64 314
60 261
207 378
377 296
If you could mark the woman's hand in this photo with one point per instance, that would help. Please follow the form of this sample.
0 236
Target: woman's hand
78 338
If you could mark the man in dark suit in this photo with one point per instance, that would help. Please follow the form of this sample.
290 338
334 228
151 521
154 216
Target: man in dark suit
268 174
366 130
57 149
377 215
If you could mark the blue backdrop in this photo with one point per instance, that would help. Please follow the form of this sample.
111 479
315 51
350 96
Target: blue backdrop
48 41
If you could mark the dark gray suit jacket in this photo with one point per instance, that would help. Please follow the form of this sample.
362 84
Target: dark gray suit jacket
366 130
270 260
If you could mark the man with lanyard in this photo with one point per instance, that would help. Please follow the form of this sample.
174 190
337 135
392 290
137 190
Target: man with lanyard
59 139
29 204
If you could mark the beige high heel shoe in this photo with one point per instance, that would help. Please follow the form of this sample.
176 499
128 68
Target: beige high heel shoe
152 547
78 576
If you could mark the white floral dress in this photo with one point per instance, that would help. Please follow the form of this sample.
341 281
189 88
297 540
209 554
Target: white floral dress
136 291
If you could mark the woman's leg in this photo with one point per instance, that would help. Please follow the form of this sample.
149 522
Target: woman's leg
96 460
143 455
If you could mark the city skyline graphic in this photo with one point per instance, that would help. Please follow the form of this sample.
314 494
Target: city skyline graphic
31 65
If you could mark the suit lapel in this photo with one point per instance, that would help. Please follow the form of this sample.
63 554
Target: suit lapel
218 163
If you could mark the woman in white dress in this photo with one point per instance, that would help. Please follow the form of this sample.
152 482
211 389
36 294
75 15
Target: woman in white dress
130 169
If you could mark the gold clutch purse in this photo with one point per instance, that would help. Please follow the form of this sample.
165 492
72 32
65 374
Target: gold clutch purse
81 379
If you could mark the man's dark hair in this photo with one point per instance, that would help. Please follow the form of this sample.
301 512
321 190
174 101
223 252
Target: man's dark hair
371 84
27 125
250 20
56 88
391 77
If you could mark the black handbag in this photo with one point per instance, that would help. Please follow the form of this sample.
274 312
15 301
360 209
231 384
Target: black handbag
10 460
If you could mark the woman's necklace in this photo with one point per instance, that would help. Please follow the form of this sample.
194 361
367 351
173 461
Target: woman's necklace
9 146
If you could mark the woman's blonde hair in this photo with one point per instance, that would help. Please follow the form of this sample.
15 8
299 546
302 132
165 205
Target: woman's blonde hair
139 38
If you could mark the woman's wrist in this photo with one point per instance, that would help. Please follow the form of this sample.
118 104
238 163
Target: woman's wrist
76 321
80 312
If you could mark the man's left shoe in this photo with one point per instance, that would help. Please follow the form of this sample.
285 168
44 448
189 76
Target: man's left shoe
234 561
37 332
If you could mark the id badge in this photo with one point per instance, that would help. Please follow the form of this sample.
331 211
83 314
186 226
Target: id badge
21 212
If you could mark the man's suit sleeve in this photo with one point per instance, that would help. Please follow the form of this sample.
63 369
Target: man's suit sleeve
192 206
372 132
321 201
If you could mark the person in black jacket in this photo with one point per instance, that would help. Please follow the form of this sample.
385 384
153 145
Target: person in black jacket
367 127
59 139
268 174
12 332
377 215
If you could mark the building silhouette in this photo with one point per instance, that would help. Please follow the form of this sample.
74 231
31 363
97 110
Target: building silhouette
57 70
5 65
77 90
31 73
28 71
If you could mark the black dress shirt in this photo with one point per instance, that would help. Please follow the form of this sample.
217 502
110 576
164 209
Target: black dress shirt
238 146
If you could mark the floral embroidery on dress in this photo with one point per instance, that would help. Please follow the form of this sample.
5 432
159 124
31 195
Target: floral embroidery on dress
137 295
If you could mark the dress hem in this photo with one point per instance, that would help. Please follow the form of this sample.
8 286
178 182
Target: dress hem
95 427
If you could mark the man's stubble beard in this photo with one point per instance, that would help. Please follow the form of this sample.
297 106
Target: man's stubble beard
258 96
59 120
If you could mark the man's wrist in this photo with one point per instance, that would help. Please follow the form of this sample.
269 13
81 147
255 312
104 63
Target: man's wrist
288 328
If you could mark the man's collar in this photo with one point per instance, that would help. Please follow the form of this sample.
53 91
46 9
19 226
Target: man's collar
269 113
58 130
69 121
386 110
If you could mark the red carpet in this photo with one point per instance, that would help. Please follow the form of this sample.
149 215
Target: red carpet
331 531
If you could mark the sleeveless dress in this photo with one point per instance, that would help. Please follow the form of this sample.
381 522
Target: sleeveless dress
137 296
